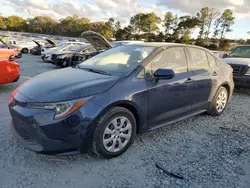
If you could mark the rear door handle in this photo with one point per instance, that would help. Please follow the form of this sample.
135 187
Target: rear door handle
215 73
189 80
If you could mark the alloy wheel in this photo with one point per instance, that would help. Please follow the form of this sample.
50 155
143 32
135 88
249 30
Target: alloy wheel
221 101
117 134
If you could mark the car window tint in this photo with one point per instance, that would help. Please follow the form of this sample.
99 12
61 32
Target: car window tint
211 59
173 58
199 59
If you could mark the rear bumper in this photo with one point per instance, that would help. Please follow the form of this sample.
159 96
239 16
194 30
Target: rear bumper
242 81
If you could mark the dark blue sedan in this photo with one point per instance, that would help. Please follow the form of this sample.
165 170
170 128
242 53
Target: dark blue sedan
104 102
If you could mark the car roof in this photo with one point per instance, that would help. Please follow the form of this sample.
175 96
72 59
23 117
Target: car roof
165 45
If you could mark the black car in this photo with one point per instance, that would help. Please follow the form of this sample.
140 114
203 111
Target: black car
64 58
239 59
104 102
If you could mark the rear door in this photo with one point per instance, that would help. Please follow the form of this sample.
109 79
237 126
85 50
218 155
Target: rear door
200 84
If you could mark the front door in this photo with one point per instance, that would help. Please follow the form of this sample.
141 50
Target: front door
167 98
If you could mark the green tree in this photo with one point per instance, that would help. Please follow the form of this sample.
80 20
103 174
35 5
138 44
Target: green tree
41 24
224 23
15 23
150 22
206 18
2 23
170 22
72 25
136 23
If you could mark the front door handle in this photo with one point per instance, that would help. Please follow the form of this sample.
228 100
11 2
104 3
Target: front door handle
189 80
215 73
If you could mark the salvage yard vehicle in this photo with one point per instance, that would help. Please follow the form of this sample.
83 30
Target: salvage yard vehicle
46 54
104 102
16 49
9 69
63 58
239 59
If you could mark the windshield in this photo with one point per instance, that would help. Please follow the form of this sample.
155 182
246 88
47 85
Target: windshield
119 60
78 48
242 51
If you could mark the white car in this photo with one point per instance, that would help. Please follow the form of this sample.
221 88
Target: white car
24 46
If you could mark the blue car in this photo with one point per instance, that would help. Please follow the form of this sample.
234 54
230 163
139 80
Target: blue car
102 103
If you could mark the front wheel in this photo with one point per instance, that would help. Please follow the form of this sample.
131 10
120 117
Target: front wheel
25 50
219 103
114 133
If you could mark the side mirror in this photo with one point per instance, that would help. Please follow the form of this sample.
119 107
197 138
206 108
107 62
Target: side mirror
164 74
225 55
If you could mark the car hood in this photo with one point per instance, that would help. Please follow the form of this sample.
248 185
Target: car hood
66 84
50 42
37 43
96 40
237 61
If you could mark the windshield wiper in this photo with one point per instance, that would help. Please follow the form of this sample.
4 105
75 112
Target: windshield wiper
95 71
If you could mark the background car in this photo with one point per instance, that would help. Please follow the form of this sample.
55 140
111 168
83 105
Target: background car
46 54
63 58
16 49
104 102
239 60
9 69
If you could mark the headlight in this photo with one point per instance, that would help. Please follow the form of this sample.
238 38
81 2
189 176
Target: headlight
62 109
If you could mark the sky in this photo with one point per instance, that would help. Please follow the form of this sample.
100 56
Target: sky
122 10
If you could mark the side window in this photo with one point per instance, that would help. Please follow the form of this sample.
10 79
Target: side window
211 59
173 58
198 59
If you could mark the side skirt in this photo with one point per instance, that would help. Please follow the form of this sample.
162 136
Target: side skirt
177 120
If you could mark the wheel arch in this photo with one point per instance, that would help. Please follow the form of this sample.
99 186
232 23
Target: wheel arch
133 108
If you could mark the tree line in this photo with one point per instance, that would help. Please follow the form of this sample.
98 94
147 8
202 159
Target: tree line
211 24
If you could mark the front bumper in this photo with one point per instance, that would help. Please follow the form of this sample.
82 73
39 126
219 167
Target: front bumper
38 131
35 140
59 62
242 81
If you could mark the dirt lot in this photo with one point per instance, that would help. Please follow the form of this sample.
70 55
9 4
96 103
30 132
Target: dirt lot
202 151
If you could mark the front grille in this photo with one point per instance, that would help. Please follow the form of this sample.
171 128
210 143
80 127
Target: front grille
25 128
236 69
239 69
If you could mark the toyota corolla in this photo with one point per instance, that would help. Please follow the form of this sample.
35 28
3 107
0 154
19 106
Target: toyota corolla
104 102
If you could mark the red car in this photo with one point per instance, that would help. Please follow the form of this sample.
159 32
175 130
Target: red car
16 50
9 69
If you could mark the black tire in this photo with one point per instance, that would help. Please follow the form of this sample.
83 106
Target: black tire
213 108
25 50
97 143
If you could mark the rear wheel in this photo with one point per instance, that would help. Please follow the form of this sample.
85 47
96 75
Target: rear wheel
114 133
219 103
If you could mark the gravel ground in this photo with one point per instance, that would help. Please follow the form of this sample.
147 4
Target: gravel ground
202 151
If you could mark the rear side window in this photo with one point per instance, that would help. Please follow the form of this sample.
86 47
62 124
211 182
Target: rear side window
173 58
211 59
198 59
